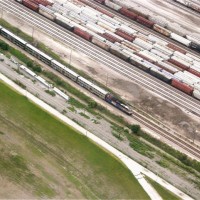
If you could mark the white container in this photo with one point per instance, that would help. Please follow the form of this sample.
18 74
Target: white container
196 94
143 44
180 39
112 5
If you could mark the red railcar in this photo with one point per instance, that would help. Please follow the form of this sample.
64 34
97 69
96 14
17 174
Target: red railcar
110 37
176 48
82 33
145 21
144 57
104 11
175 62
182 86
128 13
42 2
125 35
193 71
31 5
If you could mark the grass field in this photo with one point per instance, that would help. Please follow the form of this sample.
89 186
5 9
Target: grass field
49 159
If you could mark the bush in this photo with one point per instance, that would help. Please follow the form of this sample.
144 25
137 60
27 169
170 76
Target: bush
92 104
135 129
4 46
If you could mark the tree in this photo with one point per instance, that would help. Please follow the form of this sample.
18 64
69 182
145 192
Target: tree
4 46
135 129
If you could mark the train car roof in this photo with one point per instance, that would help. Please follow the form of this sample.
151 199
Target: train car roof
40 52
14 36
65 68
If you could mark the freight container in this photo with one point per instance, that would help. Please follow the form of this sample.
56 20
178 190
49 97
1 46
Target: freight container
124 35
113 21
95 28
100 43
155 39
166 66
127 29
193 39
162 30
144 57
183 56
193 71
145 65
119 53
195 58
137 12
46 12
197 68
64 22
160 54
31 5
194 6
196 94
163 49
112 5
116 36
161 74
150 56
107 27
105 12
82 33
195 78
143 44
128 13
182 86
178 63
135 59
132 46
176 48
145 21
109 37
180 39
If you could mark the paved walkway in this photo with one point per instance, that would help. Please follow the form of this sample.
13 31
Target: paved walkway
138 170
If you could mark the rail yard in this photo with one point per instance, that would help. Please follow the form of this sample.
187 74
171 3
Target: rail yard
132 44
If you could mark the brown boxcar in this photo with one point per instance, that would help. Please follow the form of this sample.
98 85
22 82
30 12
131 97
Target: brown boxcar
175 62
82 33
182 86
145 21
110 37
193 71
176 48
125 35
128 13
162 30
31 5
144 57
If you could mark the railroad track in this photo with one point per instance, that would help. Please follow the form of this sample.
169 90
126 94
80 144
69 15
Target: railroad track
143 28
167 134
173 95
32 17
184 7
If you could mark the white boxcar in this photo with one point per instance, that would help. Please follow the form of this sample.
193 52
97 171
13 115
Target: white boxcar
183 56
160 54
163 49
143 44
196 94
181 61
180 39
155 39
128 29
28 71
112 5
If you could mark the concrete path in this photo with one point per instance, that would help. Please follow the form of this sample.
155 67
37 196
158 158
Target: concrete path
138 170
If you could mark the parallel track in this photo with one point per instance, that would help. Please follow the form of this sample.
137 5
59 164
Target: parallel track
67 37
173 95
143 28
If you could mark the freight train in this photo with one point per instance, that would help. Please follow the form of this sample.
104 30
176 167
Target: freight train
149 53
190 4
93 88
188 41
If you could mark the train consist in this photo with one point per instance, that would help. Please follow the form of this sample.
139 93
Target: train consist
190 4
135 15
163 60
101 93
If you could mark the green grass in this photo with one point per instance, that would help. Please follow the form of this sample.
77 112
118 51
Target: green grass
104 175
164 193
